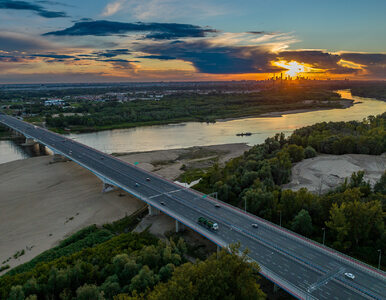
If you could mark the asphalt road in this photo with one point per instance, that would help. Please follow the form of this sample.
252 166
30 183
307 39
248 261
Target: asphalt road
290 260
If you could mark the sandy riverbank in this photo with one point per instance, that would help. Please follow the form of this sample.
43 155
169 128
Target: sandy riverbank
41 203
345 103
324 172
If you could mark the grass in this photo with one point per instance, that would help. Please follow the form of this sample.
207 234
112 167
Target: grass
191 175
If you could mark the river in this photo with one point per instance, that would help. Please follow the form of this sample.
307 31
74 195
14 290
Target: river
190 134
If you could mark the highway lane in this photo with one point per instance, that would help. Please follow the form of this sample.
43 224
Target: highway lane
291 258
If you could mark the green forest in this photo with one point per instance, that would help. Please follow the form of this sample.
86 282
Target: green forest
353 215
111 263
370 90
181 108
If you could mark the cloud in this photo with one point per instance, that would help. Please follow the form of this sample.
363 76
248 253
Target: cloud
160 57
112 8
164 10
214 59
111 53
38 9
373 63
318 59
154 30
18 42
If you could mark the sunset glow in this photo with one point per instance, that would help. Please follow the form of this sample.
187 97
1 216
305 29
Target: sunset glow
294 68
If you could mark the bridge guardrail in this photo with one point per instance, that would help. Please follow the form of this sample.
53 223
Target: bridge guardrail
331 252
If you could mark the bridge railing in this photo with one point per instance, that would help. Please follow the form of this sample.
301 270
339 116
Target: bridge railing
306 241
285 284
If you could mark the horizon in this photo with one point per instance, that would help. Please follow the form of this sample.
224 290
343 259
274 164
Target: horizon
156 40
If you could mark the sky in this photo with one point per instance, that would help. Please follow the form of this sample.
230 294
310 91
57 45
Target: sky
47 41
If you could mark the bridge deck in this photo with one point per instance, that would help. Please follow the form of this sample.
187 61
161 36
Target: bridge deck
291 261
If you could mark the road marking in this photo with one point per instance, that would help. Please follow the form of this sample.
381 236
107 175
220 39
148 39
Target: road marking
166 193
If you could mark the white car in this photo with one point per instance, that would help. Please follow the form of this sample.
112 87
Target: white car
349 275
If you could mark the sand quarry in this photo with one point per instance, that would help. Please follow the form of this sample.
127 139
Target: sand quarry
324 172
42 202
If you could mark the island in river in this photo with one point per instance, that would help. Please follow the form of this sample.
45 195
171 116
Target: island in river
177 108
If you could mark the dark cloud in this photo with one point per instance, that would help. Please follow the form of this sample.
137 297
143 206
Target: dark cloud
161 57
159 31
16 42
365 58
216 59
318 59
112 52
374 63
55 56
11 59
38 9
261 32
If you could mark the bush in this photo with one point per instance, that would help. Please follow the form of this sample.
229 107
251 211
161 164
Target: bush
309 152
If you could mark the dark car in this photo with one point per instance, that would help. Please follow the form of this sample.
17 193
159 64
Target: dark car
147 179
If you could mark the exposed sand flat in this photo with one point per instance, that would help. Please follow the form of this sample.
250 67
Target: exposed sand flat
38 200
324 172
41 203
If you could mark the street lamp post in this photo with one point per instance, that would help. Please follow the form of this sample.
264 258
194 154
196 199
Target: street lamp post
324 234
379 259
280 217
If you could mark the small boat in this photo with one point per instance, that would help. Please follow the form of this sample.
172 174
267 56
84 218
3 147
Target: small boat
244 133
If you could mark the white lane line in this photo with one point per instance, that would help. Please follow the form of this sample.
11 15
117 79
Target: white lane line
166 193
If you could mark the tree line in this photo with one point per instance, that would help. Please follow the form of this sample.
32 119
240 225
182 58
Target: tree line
352 215
100 263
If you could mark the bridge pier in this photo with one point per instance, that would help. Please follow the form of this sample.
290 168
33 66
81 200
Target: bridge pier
275 288
153 211
29 142
107 187
59 158
179 227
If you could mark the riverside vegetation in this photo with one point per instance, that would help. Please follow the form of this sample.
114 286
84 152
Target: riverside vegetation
183 107
112 263
352 214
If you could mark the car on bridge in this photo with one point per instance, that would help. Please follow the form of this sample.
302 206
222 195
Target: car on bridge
349 275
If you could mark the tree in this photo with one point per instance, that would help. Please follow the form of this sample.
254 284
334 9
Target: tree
143 280
16 293
110 287
296 153
89 292
380 186
302 223
222 276
309 152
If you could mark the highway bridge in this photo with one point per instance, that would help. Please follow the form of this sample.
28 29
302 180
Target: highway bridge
304 268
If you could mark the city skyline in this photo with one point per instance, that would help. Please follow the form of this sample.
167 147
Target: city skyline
155 40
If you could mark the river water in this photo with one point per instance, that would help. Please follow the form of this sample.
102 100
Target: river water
190 134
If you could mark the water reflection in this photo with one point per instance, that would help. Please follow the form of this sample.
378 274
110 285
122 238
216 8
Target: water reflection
193 134
13 150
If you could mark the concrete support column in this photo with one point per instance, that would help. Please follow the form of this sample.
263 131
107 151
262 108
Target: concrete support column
275 288
153 211
59 158
107 187
179 227
29 142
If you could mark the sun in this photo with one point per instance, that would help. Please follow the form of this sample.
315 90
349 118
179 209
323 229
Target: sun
294 68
